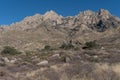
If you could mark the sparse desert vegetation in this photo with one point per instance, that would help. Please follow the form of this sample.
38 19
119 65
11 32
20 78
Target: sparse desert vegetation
83 64
10 50
61 48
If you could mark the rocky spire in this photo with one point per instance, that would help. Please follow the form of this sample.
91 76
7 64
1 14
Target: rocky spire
103 12
51 15
86 13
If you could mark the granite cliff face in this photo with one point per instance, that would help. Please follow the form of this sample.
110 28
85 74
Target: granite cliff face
51 28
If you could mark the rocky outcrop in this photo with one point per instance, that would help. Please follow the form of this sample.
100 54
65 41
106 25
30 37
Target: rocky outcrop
51 15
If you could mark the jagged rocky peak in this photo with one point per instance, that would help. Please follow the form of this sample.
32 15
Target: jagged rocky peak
103 12
87 13
51 15
86 17
100 20
33 18
28 22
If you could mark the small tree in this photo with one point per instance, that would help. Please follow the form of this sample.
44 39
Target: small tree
10 50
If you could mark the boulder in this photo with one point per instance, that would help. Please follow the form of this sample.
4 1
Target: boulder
6 59
43 63
56 55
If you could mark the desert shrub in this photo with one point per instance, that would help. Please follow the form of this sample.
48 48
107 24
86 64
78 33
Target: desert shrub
90 45
80 70
2 73
89 71
10 50
47 48
107 74
27 52
67 46
51 74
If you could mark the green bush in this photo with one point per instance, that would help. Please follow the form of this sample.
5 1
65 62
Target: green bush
90 45
10 50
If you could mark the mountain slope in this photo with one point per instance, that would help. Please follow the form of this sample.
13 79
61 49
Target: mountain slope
52 29
52 47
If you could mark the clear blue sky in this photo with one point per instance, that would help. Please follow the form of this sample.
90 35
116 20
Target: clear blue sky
16 10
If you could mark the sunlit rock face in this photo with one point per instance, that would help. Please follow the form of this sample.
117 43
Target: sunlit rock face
51 15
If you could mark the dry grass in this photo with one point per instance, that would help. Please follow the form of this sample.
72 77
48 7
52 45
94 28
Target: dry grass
66 71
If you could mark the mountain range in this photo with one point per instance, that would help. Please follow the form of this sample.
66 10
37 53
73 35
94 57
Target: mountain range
34 32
